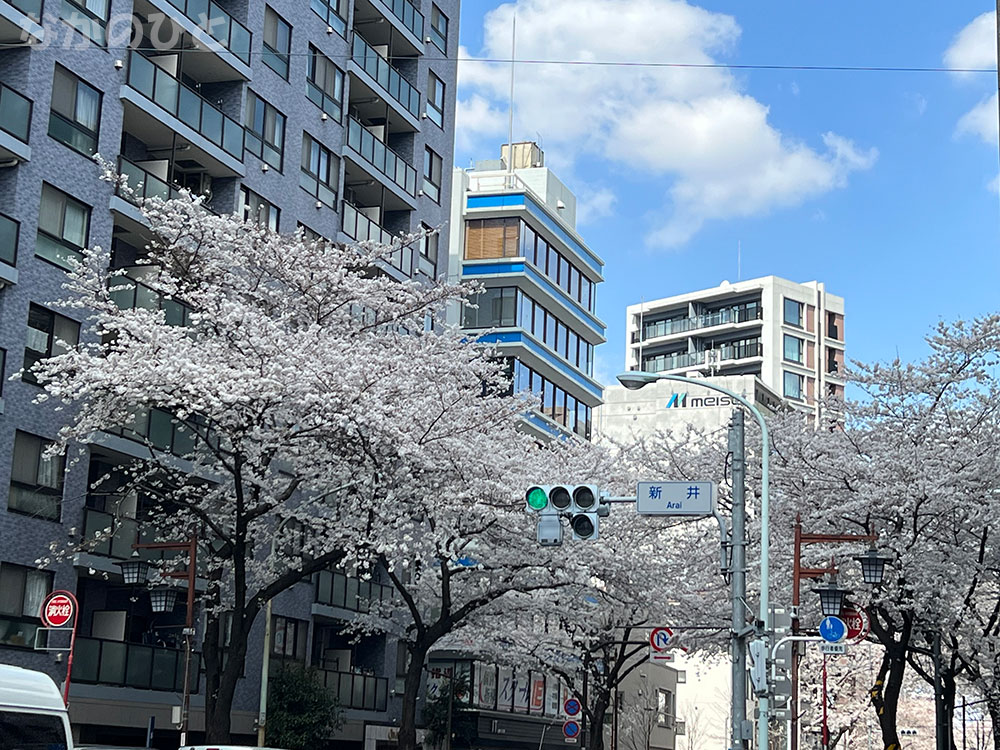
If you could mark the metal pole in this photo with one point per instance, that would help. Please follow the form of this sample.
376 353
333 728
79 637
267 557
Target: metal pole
943 741
963 722
738 584
188 633
793 731
265 667
826 726
451 708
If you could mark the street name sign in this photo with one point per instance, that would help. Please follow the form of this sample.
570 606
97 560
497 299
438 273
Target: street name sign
675 498
833 648
833 629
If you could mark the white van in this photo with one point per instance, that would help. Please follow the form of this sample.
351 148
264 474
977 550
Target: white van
32 713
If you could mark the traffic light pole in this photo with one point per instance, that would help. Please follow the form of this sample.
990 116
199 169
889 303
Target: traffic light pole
738 587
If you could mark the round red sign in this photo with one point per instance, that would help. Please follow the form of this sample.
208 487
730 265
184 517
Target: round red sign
58 610
857 623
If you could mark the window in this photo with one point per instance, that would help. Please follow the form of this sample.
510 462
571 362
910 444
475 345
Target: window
320 171
277 42
290 638
664 707
432 175
491 238
46 330
3 368
435 100
438 30
254 208
22 591
325 84
793 349
427 262
333 12
793 313
833 321
36 479
10 231
63 227
556 404
76 112
793 386
89 17
265 128
494 308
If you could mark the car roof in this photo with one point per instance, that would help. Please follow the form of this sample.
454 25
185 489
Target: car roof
26 688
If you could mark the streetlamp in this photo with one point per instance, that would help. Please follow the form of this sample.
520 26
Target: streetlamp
135 570
634 380
831 598
873 566
163 599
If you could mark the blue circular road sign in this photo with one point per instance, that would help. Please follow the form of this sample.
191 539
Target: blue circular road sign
571 729
571 707
833 629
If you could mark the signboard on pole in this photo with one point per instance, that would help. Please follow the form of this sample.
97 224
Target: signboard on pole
858 624
675 498
571 730
58 610
571 707
833 629
660 643
833 648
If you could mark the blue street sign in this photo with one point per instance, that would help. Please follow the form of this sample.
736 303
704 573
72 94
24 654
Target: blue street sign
571 707
571 729
833 629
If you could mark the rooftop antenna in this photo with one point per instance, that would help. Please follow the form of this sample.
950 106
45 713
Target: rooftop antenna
510 108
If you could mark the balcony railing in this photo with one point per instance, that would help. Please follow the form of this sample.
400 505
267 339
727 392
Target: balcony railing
9 231
406 12
219 25
124 533
387 76
682 325
741 350
144 184
380 156
359 227
31 8
101 662
186 104
15 113
337 589
158 428
131 294
359 691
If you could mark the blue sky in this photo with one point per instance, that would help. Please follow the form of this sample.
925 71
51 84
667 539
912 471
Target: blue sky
877 183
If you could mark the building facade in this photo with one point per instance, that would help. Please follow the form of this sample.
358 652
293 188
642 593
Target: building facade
336 116
514 231
789 335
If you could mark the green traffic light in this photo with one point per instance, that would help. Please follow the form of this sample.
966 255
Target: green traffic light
537 499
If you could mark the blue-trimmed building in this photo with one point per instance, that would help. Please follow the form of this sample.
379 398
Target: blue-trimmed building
515 232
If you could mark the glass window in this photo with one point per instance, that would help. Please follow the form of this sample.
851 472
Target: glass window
89 17
552 269
333 12
63 227
265 127
23 589
572 355
432 174
563 279
10 231
435 100
320 171
559 342
46 333
438 30
277 42
550 330
254 208
538 324
36 479
793 385
525 311
793 349
75 115
793 313
325 84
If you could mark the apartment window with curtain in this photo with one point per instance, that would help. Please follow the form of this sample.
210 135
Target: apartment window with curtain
432 174
265 128
325 84
333 13
289 638
435 100
36 480
438 31
256 209
89 17
793 347
75 116
277 42
46 330
320 171
792 386
491 238
63 227
22 591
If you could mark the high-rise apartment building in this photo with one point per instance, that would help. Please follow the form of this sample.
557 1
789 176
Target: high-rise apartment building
513 229
332 115
791 336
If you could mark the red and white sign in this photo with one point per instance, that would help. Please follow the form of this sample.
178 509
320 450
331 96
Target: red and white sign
661 641
58 610
857 623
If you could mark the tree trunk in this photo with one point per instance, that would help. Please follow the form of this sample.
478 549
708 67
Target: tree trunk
222 672
948 697
596 713
411 693
993 705
885 693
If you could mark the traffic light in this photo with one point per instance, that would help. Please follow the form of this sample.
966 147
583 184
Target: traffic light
580 503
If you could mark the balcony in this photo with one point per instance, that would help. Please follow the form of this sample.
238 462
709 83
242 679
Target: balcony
704 359
204 26
400 12
20 21
132 665
215 139
381 158
387 77
130 293
336 589
144 184
727 316
359 227
15 124
358 691
117 543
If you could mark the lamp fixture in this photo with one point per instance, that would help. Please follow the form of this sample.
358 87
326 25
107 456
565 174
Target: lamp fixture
135 570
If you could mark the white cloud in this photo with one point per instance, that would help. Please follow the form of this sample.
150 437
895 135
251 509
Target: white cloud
981 121
975 46
593 204
709 142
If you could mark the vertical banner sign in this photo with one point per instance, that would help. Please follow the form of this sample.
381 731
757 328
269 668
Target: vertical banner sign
59 610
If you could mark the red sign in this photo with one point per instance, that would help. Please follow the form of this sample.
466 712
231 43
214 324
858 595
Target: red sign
58 610
660 639
857 623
